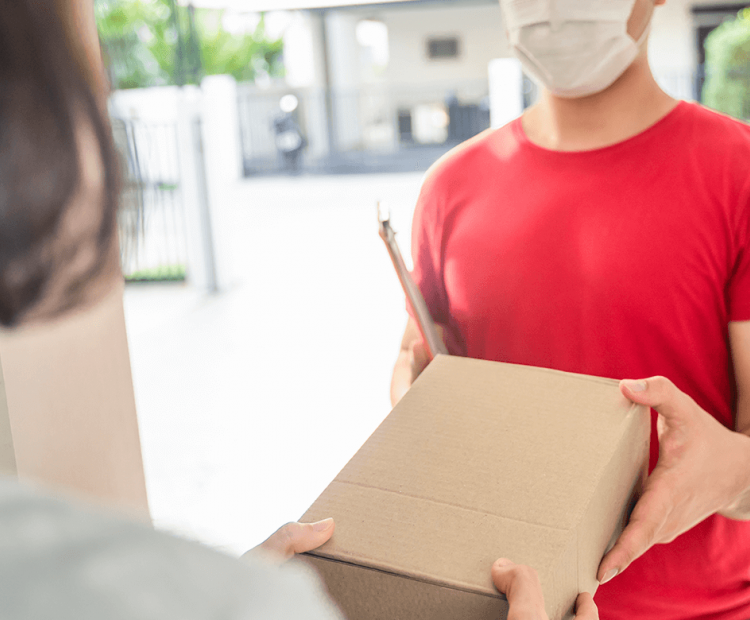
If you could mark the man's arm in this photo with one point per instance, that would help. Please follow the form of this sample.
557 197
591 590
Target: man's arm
405 367
412 360
739 343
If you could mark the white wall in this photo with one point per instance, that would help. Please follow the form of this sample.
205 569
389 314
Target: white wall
480 31
303 58
365 102
158 105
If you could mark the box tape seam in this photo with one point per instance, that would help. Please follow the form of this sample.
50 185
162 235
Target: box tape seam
450 504
435 582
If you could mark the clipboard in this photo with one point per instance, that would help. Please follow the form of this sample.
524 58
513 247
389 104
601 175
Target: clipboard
434 343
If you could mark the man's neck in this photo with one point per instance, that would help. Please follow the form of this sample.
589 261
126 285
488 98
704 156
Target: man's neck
631 105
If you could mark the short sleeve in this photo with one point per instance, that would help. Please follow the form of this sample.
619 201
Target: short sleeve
426 249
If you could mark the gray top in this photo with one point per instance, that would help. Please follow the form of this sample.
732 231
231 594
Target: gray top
63 561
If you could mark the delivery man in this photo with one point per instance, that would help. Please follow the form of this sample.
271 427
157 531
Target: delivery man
58 251
607 232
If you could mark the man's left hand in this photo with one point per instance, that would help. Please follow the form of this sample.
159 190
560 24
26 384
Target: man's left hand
703 468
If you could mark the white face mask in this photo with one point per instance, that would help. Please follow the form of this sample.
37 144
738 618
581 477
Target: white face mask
573 47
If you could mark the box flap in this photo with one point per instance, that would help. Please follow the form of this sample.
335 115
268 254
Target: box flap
399 533
455 439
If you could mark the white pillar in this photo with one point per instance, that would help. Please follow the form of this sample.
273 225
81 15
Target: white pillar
343 53
305 69
222 153
201 263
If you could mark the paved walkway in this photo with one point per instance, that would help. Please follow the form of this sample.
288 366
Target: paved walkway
250 401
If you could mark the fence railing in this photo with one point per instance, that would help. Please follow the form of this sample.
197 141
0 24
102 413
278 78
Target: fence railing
151 217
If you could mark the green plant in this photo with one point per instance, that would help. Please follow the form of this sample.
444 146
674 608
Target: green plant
242 56
164 273
727 85
137 39
156 42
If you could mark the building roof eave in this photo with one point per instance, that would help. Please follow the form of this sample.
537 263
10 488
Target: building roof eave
321 5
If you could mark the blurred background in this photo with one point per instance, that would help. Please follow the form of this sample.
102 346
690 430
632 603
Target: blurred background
256 137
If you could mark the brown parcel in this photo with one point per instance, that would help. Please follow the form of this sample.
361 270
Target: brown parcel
481 460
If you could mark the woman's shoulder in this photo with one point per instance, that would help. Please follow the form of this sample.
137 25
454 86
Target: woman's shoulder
113 567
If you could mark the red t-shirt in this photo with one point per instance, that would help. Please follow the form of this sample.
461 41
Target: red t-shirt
624 262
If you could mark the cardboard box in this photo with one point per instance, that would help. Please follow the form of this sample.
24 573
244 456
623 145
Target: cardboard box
481 460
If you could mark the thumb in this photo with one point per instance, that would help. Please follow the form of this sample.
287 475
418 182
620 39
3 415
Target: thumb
586 608
660 394
295 538
419 358
520 585
639 535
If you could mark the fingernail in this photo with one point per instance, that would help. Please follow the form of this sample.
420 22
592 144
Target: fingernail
502 562
610 573
636 386
322 526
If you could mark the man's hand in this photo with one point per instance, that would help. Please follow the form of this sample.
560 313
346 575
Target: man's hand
703 468
520 585
412 359
294 538
418 355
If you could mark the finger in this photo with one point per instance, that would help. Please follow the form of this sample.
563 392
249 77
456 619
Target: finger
658 393
441 331
520 585
638 537
419 358
586 608
298 538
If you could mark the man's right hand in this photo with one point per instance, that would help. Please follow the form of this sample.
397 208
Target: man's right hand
412 360
520 585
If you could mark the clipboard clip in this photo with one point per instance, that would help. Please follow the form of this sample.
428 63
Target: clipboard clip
434 343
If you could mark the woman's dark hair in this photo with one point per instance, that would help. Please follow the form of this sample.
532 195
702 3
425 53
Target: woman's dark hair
46 98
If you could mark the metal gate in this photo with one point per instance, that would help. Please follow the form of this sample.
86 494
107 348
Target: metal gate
151 217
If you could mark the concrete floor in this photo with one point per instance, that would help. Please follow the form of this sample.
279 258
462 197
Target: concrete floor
250 401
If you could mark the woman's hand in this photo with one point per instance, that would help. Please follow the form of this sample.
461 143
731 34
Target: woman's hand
520 585
294 538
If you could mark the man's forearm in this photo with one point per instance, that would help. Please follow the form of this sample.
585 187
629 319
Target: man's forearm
740 508
402 377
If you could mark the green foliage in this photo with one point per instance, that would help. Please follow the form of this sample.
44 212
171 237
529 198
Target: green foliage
156 42
165 273
727 85
241 56
137 39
